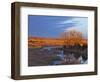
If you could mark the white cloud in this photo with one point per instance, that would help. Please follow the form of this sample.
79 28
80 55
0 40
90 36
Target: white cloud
73 20
81 24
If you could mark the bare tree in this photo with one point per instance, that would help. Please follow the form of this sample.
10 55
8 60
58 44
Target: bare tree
71 37
72 34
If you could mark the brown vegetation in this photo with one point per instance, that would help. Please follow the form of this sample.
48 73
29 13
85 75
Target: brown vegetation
67 38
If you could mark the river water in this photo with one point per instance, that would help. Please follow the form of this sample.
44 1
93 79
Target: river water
61 55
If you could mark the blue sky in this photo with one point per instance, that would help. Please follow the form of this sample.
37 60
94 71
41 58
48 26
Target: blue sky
53 26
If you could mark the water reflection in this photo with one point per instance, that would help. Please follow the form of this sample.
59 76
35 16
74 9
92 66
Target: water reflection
67 58
61 58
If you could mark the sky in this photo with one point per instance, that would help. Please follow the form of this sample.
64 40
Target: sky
53 26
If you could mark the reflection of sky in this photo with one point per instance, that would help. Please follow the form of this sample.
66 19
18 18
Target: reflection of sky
53 26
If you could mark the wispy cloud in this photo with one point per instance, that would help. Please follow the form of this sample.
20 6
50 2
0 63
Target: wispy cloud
73 20
81 24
